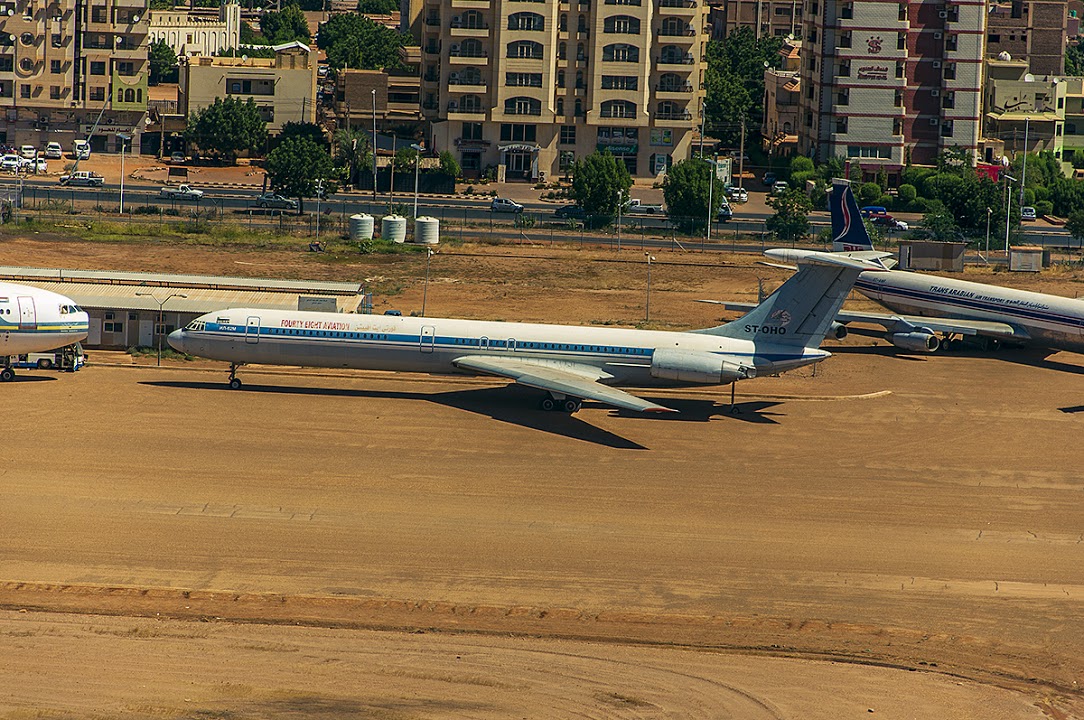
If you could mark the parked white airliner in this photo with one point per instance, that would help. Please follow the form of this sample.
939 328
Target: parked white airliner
932 308
34 320
569 363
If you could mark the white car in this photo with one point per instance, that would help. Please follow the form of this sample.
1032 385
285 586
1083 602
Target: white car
10 162
54 151
34 166
28 151
505 205
1028 213
737 194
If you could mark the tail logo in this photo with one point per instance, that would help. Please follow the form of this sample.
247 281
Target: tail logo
845 211
782 316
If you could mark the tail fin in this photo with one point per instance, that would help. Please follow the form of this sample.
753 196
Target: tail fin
800 313
848 231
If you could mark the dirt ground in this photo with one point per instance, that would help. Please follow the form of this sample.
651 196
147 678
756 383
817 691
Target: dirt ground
891 534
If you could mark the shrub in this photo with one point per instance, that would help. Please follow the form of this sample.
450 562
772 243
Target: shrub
869 192
1044 207
885 201
907 194
801 164
1029 196
798 179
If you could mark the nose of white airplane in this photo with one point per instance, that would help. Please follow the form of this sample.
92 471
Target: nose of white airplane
176 340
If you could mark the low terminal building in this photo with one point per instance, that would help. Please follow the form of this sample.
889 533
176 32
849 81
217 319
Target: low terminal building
139 309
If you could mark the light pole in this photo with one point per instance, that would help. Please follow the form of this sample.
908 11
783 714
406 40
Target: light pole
647 309
989 213
374 145
1008 209
417 161
425 288
124 138
161 324
711 186
319 197
620 198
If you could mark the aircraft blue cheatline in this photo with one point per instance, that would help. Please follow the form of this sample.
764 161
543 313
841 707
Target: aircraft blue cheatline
569 363
34 320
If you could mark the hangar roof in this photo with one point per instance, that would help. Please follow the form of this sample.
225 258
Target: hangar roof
109 277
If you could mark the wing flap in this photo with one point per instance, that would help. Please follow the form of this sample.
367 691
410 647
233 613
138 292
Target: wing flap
572 379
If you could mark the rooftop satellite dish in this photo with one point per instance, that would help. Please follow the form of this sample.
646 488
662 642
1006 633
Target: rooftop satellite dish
11 12
1029 78
135 18
1004 56
244 58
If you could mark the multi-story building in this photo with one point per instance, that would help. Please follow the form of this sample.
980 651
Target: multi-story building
766 18
391 95
1026 112
1031 30
527 87
782 94
885 83
198 31
68 66
283 87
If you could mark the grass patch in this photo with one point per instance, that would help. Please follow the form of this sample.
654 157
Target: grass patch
168 353
186 232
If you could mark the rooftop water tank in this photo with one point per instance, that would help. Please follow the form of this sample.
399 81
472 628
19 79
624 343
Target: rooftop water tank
393 228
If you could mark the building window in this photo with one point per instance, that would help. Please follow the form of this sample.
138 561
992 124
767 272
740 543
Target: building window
843 97
562 24
841 125
844 68
622 24
618 109
560 78
623 53
99 14
97 67
472 131
898 100
267 112
470 161
26 64
845 39
948 100
57 40
522 106
560 106
621 82
513 79
24 91
899 70
565 159
897 126
127 69
952 43
901 14
847 12
993 38
562 51
901 41
525 49
54 92
950 71
526 21
518 133
568 135
55 67
97 93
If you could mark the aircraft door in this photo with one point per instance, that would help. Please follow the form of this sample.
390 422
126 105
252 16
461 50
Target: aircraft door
28 315
511 343
483 343
252 330
427 339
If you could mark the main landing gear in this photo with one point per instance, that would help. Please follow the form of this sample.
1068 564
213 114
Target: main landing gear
563 403
235 382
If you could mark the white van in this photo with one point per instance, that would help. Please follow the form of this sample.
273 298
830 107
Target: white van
81 149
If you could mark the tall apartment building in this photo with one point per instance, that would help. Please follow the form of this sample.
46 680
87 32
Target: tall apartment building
766 18
886 82
529 86
67 64
1031 30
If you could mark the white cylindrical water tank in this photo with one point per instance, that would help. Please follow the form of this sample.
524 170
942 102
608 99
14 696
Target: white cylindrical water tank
361 227
393 228
427 230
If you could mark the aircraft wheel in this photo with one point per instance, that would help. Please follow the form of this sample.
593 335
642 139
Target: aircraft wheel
571 405
235 383
7 375
547 404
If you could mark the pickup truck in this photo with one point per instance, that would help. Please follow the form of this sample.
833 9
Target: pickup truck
635 207
182 192
82 177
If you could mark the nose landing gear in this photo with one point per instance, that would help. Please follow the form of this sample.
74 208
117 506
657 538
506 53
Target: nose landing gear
235 382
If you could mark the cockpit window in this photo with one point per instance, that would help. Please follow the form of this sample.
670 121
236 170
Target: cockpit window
68 309
196 325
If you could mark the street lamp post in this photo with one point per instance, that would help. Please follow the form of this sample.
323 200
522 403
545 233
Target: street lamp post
1008 209
124 138
161 322
425 288
620 199
647 308
374 145
989 213
319 197
417 163
711 186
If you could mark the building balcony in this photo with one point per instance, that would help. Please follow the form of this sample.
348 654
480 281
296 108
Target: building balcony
673 91
433 21
467 114
676 60
464 86
463 31
680 118
470 4
679 6
457 57
678 33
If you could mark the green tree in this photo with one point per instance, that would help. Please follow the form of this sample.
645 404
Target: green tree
353 153
734 80
226 128
377 7
1074 225
939 223
312 131
800 163
791 219
405 158
599 182
248 36
163 62
686 193
1074 60
449 166
296 167
285 26
355 41
869 192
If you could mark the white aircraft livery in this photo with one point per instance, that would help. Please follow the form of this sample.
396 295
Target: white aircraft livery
568 363
34 320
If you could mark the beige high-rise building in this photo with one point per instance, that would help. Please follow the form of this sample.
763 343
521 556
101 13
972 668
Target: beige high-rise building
66 65
527 87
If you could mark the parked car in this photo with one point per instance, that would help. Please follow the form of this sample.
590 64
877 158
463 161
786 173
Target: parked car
737 194
10 162
889 222
505 205
779 187
83 178
81 149
181 192
274 200
28 151
1028 213
870 211
39 166
768 179
54 151
570 212
638 207
725 213
394 313
176 157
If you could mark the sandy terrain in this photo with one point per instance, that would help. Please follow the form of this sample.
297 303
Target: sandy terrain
892 534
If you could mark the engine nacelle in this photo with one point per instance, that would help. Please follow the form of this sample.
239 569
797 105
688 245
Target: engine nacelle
915 341
697 367
837 330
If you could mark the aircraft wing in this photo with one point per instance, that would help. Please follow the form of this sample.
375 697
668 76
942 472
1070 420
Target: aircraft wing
565 378
907 323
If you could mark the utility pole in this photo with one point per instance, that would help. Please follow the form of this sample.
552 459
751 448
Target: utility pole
374 145
741 154
1024 170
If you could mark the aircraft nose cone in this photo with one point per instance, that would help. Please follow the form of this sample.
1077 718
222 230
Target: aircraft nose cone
176 340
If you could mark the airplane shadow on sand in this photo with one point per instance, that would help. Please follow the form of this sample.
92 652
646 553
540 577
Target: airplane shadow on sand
20 378
1032 357
519 406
